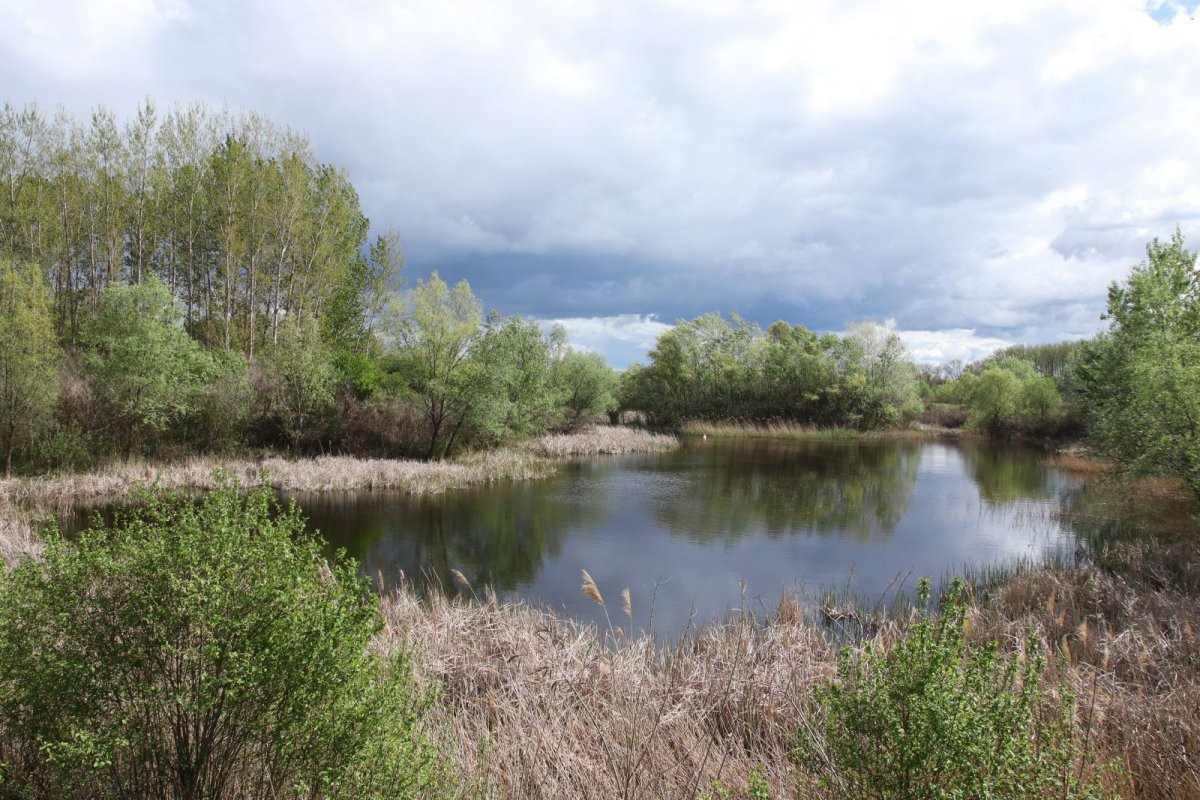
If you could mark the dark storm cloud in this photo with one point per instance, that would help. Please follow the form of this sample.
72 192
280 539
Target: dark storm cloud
977 172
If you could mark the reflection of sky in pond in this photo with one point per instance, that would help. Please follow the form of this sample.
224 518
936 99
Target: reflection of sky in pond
699 524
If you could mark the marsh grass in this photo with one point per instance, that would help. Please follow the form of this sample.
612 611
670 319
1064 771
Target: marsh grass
534 705
782 429
602 440
533 460
1078 463
18 534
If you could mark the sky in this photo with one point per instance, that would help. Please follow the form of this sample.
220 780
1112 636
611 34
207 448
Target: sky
971 174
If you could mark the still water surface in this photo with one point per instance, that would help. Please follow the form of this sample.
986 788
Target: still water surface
715 526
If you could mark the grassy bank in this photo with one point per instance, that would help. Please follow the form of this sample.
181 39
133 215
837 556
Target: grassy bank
811 433
528 461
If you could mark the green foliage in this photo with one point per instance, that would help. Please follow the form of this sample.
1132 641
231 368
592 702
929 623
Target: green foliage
994 401
757 789
201 650
586 386
234 214
300 374
224 403
1011 396
436 332
1051 360
933 718
360 374
715 369
29 359
358 297
1139 383
144 366
508 391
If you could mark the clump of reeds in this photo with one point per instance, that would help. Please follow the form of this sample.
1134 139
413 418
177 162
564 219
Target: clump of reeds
786 429
1078 463
534 705
18 537
602 440
326 473
334 473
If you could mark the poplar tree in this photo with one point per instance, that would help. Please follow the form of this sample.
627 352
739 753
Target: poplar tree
29 359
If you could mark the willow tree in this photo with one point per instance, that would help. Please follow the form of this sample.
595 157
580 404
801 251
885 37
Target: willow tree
145 367
435 333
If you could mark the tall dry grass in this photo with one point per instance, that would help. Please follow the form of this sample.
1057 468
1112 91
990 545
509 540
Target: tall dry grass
602 440
18 536
784 429
333 473
1079 463
532 705
1124 635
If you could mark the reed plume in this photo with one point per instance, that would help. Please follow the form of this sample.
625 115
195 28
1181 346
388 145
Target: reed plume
590 590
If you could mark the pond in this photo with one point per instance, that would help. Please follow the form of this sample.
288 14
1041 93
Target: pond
715 526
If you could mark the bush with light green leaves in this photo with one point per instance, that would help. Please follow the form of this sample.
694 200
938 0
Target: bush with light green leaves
202 650
933 718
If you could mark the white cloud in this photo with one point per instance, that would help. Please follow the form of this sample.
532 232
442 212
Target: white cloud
940 347
622 339
986 166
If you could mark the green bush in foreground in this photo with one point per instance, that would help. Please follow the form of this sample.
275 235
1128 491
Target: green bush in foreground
932 718
201 650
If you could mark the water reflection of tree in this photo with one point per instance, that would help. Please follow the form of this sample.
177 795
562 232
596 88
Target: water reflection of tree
784 488
1006 475
497 536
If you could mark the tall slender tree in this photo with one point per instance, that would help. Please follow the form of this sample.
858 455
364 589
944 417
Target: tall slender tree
29 358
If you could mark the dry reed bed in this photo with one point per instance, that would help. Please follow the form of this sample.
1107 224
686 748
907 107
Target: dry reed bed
531 705
1124 633
18 536
783 429
604 440
24 502
335 473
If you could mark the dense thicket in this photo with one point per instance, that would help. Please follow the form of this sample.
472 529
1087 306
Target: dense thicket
1133 391
713 368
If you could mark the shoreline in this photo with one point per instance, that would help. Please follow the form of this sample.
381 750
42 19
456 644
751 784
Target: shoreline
917 432
570 709
26 503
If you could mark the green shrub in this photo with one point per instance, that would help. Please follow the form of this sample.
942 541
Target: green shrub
931 717
201 650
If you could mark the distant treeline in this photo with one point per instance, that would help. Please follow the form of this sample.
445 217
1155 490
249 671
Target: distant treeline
712 368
